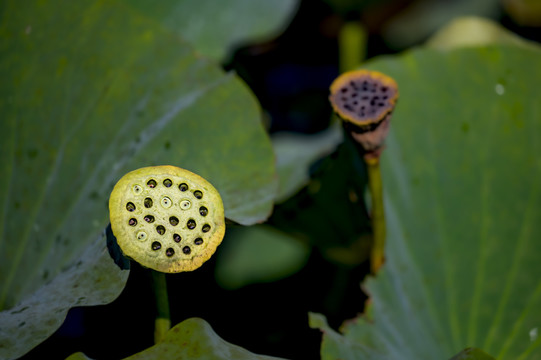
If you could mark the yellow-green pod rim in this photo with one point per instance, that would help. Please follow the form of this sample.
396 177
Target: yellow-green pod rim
363 97
153 224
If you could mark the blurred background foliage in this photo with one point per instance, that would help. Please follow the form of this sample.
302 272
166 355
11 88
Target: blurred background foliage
289 73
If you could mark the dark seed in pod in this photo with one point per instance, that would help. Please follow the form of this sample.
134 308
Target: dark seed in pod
151 183
149 218
132 222
130 207
177 238
203 211
173 220
198 194
156 245
160 229
148 203
183 187
167 183
170 252
198 241
186 250
206 228
191 224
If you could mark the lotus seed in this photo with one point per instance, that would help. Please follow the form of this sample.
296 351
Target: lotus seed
206 228
198 241
149 218
148 203
137 189
141 235
167 183
203 211
130 207
198 194
183 187
151 183
173 220
170 252
156 246
191 224
160 229
132 222
185 204
177 238
186 250
166 202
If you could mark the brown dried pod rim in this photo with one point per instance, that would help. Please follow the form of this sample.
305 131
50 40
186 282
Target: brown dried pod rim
363 97
166 218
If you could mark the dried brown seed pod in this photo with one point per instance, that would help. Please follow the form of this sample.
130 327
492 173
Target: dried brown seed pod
365 99
149 215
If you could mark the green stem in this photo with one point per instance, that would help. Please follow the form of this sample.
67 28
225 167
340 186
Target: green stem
163 317
378 215
352 45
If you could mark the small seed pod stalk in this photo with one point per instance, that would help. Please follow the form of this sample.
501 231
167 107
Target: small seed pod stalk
364 100
169 220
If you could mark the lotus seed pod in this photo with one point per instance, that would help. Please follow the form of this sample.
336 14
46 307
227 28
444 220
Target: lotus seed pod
365 99
166 218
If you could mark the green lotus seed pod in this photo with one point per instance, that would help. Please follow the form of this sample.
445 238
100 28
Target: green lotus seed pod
166 218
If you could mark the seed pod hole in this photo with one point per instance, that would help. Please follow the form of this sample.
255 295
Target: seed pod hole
166 202
169 252
132 222
191 224
167 183
148 203
185 204
203 211
156 246
206 228
130 207
186 250
137 189
151 183
176 238
149 218
183 187
142 236
160 229
198 241
173 220
198 194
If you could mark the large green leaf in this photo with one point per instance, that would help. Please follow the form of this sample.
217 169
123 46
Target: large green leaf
215 27
91 279
89 91
257 254
463 204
